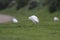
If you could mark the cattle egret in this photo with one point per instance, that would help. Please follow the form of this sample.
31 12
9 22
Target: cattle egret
56 19
14 20
34 19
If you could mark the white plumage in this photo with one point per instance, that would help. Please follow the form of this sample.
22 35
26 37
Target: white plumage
34 19
14 20
56 19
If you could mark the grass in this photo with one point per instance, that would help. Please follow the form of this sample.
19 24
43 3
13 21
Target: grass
47 29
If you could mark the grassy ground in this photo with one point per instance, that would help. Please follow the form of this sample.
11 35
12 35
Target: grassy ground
47 29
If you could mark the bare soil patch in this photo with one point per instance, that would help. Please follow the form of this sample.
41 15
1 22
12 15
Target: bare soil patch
5 18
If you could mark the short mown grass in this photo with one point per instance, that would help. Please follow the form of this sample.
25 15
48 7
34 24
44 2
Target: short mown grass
47 29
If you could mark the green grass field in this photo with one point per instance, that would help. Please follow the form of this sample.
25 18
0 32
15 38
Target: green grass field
47 29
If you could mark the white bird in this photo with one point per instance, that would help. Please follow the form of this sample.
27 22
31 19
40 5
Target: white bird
34 19
14 20
56 19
